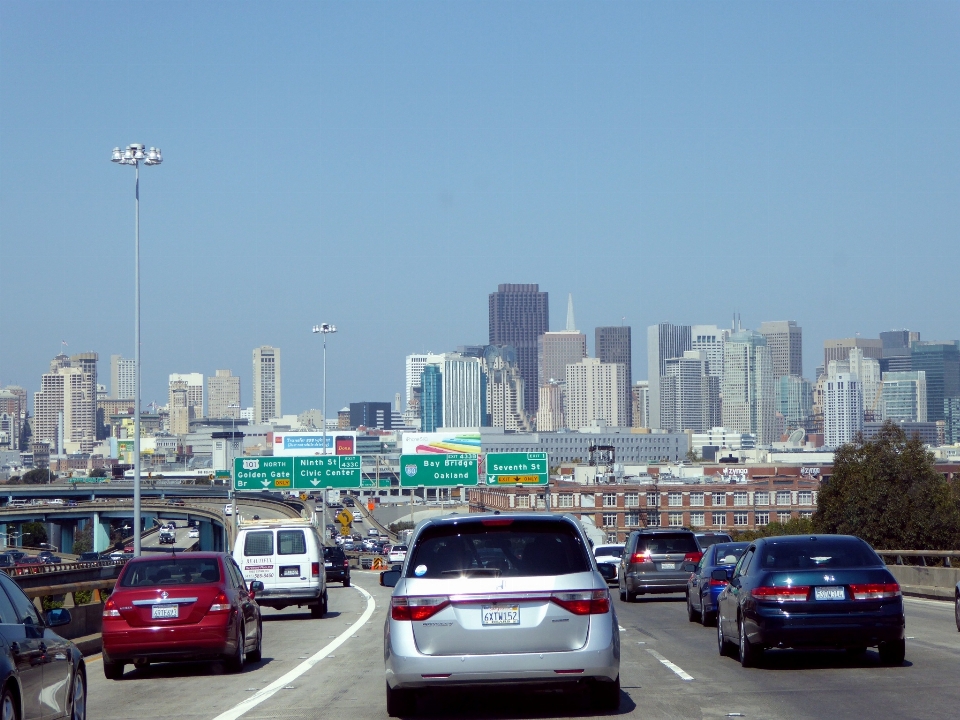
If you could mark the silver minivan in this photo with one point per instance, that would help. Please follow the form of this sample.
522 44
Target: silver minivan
500 599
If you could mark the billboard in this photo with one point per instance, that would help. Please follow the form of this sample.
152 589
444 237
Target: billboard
462 442
302 444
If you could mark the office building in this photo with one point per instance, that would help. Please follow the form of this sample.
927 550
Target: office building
192 383
664 341
371 415
414 369
464 391
689 395
785 340
68 395
709 340
266 384
518 315
565 447
926 431
556 350
11 418
614 344
596 393
223 395
842 409
795 401
867 370
431 398
896 350
904 396
550 412
951 421
640 404
840 349
505 390
941 363
179 410
123 376
749 387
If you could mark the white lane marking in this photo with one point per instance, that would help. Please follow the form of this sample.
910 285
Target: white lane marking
283 682
622 628
675 668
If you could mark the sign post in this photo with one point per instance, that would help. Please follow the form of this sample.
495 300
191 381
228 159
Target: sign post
517 469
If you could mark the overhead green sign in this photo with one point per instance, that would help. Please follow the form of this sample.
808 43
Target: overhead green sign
438 470
517 469
263 473
327 471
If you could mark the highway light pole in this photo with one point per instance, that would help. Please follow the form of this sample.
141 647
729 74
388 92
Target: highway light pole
233 495
324 329
134 155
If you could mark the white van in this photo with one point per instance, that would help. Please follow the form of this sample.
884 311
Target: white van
287 557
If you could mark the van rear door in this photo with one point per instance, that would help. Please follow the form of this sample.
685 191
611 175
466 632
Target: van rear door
258 559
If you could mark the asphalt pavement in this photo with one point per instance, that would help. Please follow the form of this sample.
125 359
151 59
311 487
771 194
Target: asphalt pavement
670 668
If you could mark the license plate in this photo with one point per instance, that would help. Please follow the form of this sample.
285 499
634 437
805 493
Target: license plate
164 611
668 566
291 571
829 593
327 565
501 614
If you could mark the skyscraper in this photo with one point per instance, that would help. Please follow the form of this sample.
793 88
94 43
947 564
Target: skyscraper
904 396
505 390
896 350
550 412
842 410
69 388
795 401
785 340
640 403
664 341
464 391
840 349
749 387
518 315
414 369
122 378
613 344
595 392
266 383
941 363
689 395
11 412
431 398
193 384
223 390
709 339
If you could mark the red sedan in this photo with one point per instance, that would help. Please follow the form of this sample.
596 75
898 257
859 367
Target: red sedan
182 606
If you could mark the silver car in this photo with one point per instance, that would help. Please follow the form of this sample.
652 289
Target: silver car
500 600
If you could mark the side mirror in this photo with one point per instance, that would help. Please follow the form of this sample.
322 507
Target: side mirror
689 567
256 586
58 617
389 578
721 574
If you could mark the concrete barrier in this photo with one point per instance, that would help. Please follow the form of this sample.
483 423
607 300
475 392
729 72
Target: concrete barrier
938 583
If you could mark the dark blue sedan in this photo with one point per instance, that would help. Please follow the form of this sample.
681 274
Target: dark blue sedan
702 590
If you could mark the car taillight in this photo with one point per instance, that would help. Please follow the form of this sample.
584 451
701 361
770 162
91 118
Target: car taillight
315 569
583 602
874 591
220 604
796 593
641 558
717 582
346 563
416 608
110 609
693 557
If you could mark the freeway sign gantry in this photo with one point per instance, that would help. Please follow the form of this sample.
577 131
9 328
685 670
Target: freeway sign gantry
438 470
517 469
297 473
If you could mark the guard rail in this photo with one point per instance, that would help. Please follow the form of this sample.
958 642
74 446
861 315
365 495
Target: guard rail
923 580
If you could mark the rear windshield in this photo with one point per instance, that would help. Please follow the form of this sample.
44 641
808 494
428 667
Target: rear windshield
258 543
291 542
171 571
663 543
728 554
521 548
708 540
398 548
608 551
815 554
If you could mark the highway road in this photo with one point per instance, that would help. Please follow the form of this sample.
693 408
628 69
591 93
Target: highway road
333 667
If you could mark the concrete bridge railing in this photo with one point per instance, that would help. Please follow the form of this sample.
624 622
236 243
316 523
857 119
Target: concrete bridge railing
922 580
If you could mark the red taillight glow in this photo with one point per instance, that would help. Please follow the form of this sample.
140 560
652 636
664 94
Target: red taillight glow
796 593
220 604
717 582
693 557
641 558
875 591
346 563
416 609
110 609
496 522
583 602
315 569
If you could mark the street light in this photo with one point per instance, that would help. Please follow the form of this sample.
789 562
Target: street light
134 155
233 456
324 329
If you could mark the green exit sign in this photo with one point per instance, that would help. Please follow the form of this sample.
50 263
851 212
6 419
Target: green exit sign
438 470
517 469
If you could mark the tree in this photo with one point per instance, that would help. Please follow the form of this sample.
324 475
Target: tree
34 534
793 526
37 476
98 472
83 540
693 456
888 492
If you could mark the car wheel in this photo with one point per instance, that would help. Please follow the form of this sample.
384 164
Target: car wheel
956 611
605 696
692 614
722 645
346 581
400 702
893 652
706 616
235 661
112 670
749 653
318 610
623 593
8 706
78 709
255 654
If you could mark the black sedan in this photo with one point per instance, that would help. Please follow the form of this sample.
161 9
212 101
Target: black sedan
41 673
337 566
810 591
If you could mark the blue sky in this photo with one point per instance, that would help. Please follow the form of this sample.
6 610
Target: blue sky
383 166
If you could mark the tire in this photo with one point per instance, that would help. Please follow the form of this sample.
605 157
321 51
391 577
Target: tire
257 653
317 611
346 581
112 670
235 662
141 664
893 652
750 654
956 611
707 618
78 705
8 705
692 615
605 696
623 593
723 646
400 702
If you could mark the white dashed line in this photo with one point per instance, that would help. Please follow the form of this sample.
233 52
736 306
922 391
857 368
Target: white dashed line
675 668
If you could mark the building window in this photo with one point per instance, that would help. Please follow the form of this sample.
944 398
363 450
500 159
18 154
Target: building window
565 500
631 499
741 519
523 501
740 499
719 499
696 499
805 497
541 502
806 514
719 519
783 517
783 498
631 519
761 498
609 520
609 499
653 499
675 499
696 519
653 519
761 519
675 519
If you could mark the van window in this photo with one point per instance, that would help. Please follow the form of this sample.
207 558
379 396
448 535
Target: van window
258 543
291 542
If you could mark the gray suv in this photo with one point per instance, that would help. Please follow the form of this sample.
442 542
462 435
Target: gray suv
653 559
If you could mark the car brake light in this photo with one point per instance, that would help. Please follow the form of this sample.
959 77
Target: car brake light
346 563
416 609
693 557
796 593
717 582
315 569
874 591
220 604
496 522
641 558
583 602
110 609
